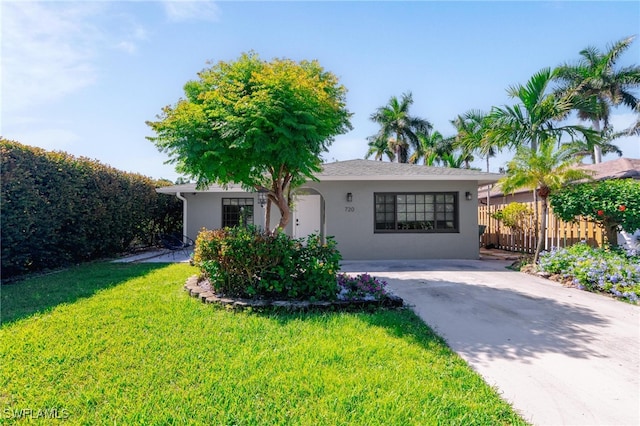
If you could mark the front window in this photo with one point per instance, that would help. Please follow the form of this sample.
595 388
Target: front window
237 211
416 212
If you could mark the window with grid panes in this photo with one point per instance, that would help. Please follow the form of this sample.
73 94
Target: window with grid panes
416 212
236 211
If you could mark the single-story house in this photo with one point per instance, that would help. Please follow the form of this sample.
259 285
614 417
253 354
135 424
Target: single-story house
374 209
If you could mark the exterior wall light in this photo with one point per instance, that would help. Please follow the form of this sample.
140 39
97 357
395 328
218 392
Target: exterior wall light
262 196
349 197
467 195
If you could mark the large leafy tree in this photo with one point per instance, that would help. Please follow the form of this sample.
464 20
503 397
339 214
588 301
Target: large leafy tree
613 204
536 116
600 85
398 128
256 123
544 170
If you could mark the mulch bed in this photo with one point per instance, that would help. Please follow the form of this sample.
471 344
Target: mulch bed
202 290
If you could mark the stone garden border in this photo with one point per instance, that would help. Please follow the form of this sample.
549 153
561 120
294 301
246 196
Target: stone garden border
198 290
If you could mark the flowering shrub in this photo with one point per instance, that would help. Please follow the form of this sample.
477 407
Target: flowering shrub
598 270
613 204
245 262
361 287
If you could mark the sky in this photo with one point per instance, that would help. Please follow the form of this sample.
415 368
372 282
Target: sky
84 77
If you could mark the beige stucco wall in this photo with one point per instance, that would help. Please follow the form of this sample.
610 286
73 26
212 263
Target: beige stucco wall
352 224
204 209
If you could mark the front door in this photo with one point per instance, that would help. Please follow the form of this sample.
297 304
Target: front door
306 217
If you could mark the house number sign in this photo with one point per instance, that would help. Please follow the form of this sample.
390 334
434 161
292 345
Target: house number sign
349 209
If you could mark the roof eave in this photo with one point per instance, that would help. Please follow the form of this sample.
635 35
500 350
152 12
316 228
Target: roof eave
482 180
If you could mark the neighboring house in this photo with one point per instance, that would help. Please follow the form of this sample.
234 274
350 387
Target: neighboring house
374 209
621 168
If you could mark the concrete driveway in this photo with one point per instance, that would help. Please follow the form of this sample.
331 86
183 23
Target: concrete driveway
560 356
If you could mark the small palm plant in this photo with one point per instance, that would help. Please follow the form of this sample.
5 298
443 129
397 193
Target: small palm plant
544 170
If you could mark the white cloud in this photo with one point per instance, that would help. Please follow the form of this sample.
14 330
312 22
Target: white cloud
185 10
50 49
132 35
127 46
47 51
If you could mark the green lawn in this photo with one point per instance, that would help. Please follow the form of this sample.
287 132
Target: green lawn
128 346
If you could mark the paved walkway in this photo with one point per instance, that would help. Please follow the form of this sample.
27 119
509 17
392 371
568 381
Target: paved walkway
158 256
561 356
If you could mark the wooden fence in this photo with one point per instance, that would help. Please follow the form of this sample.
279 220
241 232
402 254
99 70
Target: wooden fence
559 233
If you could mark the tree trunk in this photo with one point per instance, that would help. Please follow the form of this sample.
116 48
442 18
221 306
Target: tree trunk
611 233
286 214
542 231
536 214
597 150
267 217
283 205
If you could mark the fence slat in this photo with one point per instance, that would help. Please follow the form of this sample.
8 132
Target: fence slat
559 233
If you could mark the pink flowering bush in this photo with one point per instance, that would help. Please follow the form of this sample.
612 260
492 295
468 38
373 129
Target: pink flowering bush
361 287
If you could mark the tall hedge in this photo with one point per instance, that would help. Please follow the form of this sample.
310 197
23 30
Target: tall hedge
57 209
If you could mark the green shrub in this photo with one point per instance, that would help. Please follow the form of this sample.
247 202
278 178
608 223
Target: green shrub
244 262
515 215
58 209
613 204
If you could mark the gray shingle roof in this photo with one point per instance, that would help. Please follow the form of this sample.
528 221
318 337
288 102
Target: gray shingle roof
370 170
381 170
621 168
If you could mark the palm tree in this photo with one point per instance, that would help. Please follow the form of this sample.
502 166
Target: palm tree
379 147
535 118
431 146
457 161
398 127
473 134
544 170
586 148
600 85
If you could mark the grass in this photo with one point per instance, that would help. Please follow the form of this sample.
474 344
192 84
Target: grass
136 349
45 291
